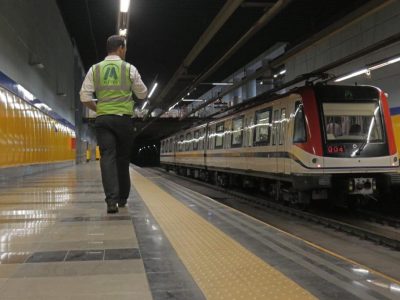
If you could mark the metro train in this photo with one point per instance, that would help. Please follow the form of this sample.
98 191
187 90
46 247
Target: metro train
316 142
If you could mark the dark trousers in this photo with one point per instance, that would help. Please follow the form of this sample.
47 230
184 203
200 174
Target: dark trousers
115 139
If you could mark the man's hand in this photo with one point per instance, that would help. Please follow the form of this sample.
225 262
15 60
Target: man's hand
91 105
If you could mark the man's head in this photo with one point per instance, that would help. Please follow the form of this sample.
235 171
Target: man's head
116 44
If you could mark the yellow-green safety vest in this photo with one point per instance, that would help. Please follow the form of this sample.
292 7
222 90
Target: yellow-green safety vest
113 87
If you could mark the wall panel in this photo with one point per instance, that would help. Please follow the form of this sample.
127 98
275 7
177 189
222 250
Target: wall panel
29 136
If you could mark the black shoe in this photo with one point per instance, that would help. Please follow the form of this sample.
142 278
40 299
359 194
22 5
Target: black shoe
112 208
122 203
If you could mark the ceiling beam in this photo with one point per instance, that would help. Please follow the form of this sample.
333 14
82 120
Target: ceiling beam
261 23
220 19
365 10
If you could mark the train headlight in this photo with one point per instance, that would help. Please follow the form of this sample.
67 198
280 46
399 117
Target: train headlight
351 185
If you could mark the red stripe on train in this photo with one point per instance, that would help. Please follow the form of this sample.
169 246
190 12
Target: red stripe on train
314 142
388 124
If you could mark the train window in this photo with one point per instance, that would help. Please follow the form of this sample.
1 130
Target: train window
171 145
196 140
219 135
188 141
299 131
237 132
275 127
262 127
353 121
282 129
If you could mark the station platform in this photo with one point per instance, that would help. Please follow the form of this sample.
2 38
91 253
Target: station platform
57 242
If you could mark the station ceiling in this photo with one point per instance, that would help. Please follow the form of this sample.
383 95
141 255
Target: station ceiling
162 32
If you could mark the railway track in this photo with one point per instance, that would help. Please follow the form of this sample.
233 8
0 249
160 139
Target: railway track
389 237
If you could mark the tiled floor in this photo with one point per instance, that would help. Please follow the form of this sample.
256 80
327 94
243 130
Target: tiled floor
57 242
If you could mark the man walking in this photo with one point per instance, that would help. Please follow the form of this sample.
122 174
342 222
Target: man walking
113 80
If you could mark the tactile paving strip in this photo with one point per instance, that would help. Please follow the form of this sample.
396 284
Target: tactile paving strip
222 268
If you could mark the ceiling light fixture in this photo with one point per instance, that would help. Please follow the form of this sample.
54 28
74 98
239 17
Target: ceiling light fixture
124 5
351 75
123 32
193 100
370 68
153 89
222 83
386 63
173 106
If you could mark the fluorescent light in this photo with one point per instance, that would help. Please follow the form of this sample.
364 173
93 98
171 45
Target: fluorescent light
354 74
369 69
282 72
173 106
144 105
123 32
193 100
124 5
153 89
386 63
222 83
394 60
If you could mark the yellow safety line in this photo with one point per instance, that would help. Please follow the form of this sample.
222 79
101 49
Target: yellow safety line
221 267
318 247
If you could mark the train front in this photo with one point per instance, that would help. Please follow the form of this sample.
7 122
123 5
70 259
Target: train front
358 144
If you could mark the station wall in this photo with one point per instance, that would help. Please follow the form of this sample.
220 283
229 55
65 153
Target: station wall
29 136
32 35
37 54
368 30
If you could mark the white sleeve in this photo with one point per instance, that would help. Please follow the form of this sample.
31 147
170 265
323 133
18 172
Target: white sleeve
87 89
138 87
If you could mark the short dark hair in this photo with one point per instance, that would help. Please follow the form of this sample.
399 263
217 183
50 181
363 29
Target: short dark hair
114 42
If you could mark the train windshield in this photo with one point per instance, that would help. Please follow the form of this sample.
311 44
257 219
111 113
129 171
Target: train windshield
355 121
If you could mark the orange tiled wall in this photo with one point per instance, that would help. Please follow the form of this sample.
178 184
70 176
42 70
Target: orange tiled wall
29 136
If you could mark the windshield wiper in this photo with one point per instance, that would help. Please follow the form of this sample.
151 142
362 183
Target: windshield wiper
361 148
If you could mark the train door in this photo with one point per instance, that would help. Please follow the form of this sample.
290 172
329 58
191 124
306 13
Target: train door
280 145
286 136
275 137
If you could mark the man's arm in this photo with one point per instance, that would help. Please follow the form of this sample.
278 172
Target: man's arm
138 87
87 91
